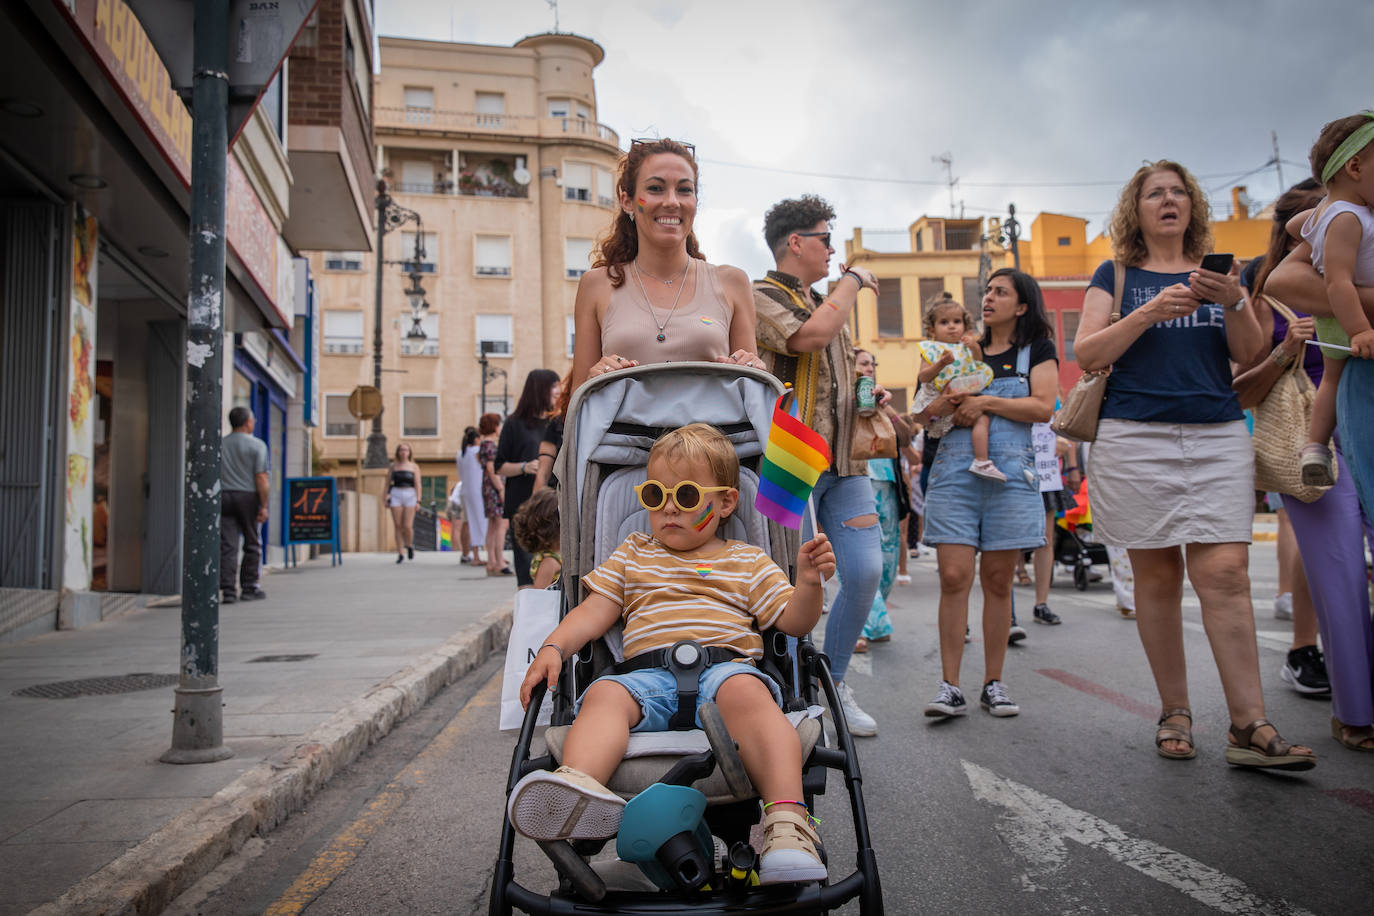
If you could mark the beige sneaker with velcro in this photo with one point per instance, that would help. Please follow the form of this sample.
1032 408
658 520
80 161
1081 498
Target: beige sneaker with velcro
566 804
789 850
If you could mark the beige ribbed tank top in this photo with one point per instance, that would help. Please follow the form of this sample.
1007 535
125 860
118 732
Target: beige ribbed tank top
698 330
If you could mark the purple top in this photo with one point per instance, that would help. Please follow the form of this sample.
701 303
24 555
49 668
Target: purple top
1311 357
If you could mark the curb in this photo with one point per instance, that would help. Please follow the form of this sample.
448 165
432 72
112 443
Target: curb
148 877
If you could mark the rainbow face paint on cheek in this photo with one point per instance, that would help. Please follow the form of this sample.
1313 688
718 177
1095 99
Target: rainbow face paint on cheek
639 205
707 513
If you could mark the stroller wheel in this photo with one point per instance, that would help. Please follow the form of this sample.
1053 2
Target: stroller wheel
1080 577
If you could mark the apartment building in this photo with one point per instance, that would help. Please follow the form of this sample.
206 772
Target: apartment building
500 153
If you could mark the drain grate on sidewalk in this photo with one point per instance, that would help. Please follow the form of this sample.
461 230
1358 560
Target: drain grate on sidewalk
98 686
282 658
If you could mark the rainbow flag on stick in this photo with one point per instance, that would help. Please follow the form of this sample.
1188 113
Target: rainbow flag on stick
792 463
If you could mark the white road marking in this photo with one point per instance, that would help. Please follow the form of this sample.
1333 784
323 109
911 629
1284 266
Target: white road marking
1273 639
1035 826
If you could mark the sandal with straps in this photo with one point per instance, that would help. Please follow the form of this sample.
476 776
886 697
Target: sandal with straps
1278 754
1182 733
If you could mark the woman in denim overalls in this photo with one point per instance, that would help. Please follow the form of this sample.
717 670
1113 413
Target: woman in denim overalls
967 514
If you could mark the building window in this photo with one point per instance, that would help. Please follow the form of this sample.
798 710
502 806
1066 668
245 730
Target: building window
419 102
491 108
920 241
492 175
491 255
1069 323
559 108
420 415
274 103
570 331
495 335
415 346
434 489
343 260
973 296
337 420
429 264
577 181
343 332
577 257
1065 241
417 177
605 187
890 307
898 402
583 112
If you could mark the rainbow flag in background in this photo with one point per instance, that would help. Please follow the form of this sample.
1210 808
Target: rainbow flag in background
445 534
792 463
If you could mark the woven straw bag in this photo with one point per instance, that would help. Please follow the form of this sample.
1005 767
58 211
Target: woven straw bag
1281 422
1077 416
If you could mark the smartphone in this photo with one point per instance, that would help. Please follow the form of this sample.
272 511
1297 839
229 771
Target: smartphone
1217 263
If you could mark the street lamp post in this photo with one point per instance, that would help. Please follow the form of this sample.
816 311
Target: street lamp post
390 217
489 374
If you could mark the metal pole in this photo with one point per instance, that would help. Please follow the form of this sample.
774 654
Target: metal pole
376 440
1278 163
1014 233
482 361
198 723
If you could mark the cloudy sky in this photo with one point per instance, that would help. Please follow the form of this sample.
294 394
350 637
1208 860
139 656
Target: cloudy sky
1048 105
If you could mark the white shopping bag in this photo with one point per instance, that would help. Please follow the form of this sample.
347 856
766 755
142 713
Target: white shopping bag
536 614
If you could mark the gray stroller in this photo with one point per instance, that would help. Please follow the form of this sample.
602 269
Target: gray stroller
612 422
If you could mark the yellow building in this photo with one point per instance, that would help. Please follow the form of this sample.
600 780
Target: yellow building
499 151
944 254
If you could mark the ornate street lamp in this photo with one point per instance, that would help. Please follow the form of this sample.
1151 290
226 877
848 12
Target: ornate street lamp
390 217
491 374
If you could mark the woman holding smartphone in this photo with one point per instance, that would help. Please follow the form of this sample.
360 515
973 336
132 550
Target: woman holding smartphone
1173 472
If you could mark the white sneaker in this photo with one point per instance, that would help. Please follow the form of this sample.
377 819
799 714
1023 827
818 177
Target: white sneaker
861 724
1283 606
566 804
987 470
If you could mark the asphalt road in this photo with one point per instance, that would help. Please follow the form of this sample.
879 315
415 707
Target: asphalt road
1063 809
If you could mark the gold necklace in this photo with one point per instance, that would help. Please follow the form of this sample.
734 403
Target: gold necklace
652 314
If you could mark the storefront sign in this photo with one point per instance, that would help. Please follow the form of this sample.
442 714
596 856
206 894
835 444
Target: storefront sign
121 46
311 510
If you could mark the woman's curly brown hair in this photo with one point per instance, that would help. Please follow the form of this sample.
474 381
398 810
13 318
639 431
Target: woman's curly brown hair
1128 243
536 524
620 244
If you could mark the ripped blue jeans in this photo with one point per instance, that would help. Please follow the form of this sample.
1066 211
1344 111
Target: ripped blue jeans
858 560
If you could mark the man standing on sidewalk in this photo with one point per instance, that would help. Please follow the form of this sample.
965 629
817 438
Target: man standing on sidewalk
804 339
243 507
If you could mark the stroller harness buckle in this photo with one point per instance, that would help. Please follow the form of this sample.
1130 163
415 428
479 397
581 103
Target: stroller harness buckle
686 659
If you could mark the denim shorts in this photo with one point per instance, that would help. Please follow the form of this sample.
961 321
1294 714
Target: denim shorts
963 508
655 689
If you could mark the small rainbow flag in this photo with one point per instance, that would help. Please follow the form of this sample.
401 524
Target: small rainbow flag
445 534
792 463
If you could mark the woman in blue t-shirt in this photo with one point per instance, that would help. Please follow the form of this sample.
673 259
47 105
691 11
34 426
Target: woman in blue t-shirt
966 514
1172 475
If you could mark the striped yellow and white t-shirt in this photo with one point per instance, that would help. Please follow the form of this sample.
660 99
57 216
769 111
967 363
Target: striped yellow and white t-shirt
716 601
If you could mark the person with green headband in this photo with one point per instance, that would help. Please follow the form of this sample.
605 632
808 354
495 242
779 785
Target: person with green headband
1340 232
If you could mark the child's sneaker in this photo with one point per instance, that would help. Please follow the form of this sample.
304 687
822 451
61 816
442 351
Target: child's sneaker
985 469
566 804
789 850
1316 465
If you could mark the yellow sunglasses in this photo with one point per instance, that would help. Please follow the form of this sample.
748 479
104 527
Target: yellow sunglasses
687 494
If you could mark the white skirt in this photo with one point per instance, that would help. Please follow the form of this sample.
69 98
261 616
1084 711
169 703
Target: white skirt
1153 485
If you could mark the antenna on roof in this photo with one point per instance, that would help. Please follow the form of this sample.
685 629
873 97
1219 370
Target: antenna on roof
947 161
553 5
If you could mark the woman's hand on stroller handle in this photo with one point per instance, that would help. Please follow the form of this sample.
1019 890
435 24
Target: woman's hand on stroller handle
742 357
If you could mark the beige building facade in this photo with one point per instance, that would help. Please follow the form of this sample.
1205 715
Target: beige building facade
499 151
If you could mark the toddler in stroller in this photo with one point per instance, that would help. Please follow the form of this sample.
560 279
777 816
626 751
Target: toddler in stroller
683 583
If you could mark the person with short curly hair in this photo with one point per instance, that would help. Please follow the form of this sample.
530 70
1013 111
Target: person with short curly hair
650 296
1172 469
803 338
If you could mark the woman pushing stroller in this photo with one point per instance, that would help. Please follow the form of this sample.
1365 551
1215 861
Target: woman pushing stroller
683 582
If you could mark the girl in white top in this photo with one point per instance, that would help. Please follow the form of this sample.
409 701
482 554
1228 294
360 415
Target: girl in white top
1341 233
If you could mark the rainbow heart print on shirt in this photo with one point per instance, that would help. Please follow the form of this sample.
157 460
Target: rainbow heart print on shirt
703 569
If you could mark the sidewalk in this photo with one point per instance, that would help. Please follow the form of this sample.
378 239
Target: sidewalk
87 812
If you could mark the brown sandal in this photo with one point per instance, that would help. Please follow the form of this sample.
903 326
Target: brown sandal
1276 755
1358 740
1175 733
